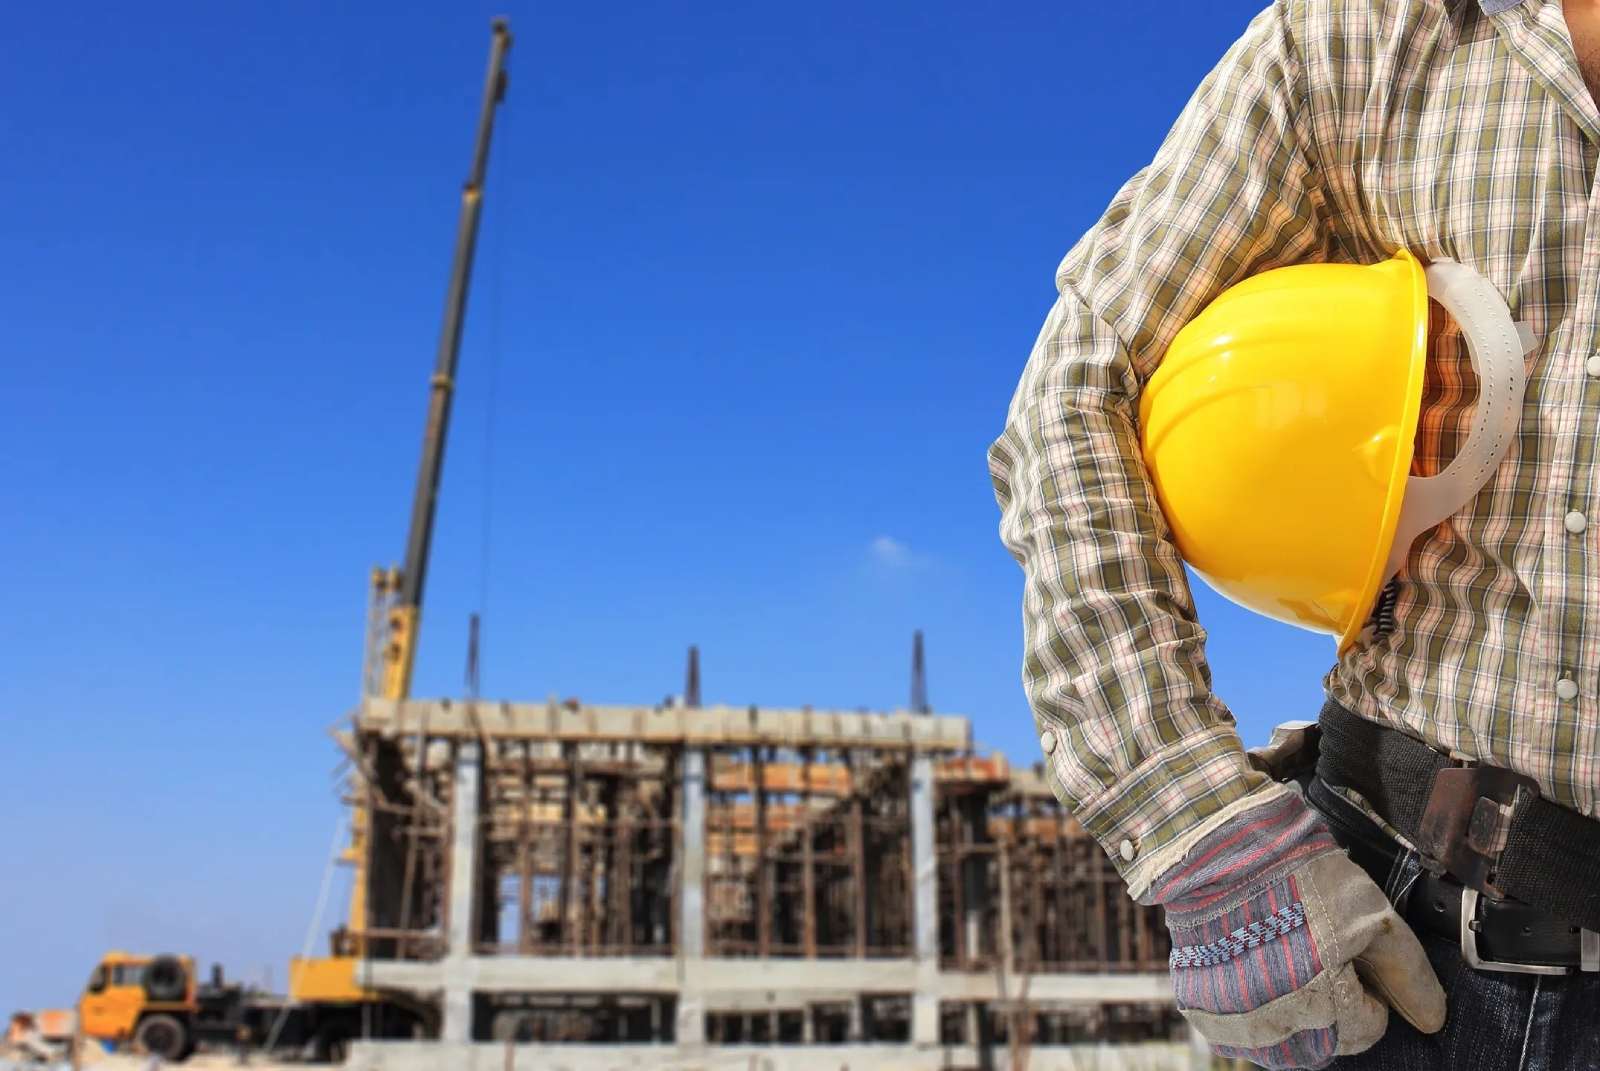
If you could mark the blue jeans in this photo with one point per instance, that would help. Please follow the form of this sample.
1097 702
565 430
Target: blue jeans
1494 1021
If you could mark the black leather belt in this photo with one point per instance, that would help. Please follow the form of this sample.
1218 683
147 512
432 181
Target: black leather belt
1495 935
1511 878
1487 827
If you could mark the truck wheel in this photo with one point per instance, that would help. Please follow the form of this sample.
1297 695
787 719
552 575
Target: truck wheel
164 979
333 1042
163 1036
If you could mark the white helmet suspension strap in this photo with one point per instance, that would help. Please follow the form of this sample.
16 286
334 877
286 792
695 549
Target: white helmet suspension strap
1496 347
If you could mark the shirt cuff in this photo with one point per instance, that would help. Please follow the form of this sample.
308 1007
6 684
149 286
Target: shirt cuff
1153 814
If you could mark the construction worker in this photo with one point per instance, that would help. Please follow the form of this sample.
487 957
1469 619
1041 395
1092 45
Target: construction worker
1426 892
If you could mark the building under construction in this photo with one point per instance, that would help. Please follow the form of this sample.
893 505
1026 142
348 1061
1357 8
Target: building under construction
566 885
570 886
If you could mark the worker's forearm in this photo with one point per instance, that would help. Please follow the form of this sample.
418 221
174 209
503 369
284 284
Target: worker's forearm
1135 741
1114 664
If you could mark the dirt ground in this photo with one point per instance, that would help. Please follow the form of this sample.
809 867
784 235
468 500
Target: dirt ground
206 1062
198 1062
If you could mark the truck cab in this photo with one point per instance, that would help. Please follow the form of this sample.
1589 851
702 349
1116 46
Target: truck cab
149 1000
159 1004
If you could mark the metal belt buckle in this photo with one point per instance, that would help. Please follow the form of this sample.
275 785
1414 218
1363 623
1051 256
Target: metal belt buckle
1469 945
1466 821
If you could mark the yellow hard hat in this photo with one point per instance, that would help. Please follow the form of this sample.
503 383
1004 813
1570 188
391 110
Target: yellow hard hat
1278 431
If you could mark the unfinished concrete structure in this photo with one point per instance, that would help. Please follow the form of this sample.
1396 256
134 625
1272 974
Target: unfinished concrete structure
574 886
565 885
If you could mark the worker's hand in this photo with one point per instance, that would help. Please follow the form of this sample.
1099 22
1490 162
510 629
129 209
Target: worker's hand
1284 952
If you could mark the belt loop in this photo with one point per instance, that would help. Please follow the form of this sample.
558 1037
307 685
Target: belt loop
1590 951
1403 876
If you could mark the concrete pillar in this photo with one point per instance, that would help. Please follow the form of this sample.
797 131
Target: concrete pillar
1006 948
925 901
691 1028
974 872
464 897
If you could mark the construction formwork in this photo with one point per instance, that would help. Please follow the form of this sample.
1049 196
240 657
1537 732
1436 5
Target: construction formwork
564 885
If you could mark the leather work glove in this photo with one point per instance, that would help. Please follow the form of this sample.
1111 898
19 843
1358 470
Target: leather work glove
1284 952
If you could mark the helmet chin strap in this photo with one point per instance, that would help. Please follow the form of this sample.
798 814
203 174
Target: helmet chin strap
1497 347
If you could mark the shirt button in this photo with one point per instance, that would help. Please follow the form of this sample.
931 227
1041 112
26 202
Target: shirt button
1576 522
1567 688
1592 365
1047 740
1125 849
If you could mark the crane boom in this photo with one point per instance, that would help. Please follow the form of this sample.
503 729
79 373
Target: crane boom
399 655
397 593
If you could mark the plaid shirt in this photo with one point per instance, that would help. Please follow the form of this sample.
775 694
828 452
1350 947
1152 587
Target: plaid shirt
1333 130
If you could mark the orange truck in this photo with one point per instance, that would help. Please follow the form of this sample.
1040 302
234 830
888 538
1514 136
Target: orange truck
160 1005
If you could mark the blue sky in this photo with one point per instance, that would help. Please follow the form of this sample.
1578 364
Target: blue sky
755 285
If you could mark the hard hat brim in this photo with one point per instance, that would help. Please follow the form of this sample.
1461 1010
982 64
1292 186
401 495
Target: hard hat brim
1417 348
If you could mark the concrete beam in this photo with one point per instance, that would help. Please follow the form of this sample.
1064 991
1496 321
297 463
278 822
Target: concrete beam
419 978
553 974
779 982
1058 988
801 976
709 726
490 1056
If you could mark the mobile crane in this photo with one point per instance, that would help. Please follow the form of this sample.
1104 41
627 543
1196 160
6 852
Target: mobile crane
158 1001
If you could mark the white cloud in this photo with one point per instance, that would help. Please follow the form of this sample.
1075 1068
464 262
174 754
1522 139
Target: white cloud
893 554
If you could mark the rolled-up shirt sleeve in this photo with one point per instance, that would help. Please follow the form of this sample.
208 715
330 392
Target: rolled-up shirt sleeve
1136 743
